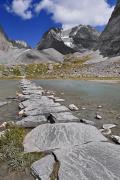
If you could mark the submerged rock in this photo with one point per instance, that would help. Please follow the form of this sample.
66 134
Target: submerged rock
3 103
106 132
108 126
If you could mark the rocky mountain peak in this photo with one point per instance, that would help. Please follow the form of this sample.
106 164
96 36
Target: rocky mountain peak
79 38
109 41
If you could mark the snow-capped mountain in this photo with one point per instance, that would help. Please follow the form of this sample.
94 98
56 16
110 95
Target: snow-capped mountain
79 38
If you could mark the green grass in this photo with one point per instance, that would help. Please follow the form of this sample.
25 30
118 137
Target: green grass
11 150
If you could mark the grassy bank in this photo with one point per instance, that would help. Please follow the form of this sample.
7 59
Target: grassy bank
71 68
12 152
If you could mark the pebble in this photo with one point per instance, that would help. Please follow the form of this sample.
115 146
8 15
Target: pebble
98 117
72 107
116 139
108 126
105 131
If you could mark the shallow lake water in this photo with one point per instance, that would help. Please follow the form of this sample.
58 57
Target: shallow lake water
87 94
8 89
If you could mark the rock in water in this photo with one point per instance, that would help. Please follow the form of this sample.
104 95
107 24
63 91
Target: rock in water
109 42
98 117
109 126
116 139
55 136
72 107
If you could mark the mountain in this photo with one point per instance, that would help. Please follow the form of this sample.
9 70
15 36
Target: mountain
20 44
52 39
79 38
109 41
4 43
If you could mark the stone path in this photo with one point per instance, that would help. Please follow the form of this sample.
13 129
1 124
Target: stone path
80 150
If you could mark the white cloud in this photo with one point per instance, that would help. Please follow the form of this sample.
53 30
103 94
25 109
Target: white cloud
22 8
74 12
67 12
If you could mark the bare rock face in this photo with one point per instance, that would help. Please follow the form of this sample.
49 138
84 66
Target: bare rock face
109 42
52 39
4 44
79 38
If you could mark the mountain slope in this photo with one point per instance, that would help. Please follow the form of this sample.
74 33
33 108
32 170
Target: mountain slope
4 43
52 39
79 38
109 42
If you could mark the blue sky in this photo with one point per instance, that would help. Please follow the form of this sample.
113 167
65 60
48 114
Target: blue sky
28 21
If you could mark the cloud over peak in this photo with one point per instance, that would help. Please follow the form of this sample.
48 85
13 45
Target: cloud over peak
67 12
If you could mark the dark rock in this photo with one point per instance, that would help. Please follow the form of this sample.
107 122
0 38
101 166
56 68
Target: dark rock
52 39
79 38
109 42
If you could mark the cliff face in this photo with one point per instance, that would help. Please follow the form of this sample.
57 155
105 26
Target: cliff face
52 39
79 38
109 41
4 44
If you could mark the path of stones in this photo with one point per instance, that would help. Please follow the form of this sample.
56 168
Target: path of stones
81 151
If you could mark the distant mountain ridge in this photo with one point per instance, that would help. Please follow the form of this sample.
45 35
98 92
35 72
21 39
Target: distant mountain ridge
79 38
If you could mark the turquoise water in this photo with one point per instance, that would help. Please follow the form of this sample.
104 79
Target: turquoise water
81 93
89 94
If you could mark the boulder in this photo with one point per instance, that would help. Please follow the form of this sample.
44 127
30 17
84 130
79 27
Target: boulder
54 136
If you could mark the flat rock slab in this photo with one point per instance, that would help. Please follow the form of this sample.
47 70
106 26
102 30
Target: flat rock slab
40 101
38 106
3 103
64 117
32 121
46 109
92 161
57 136
43 167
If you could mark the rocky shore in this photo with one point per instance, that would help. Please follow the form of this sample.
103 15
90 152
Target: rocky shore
74 149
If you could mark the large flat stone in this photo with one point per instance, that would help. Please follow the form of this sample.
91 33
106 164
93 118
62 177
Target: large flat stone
43 168
45 110
32 121
3 103
57 136
92 161
64 117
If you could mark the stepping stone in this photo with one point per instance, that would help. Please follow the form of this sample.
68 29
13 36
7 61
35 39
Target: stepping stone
44 167
46 109
32 121
56 136
92 161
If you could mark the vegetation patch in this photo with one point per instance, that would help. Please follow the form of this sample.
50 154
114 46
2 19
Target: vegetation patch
11 150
